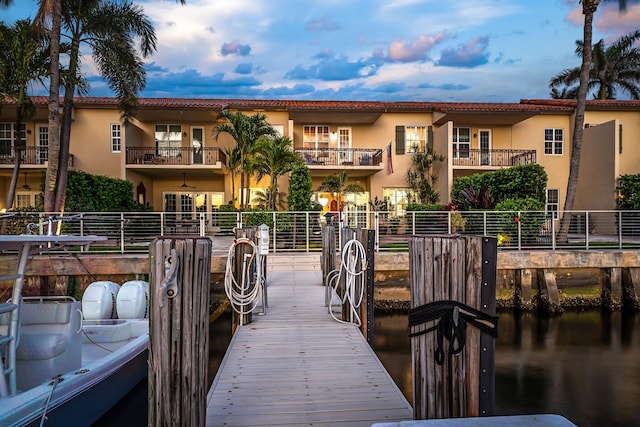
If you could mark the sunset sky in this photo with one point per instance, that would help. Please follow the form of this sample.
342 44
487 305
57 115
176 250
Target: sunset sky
402 50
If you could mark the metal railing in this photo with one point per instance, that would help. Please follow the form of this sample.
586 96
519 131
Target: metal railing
29 156
301 231
341 156
178 156
479 157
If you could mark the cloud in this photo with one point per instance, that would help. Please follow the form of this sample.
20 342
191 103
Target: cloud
322 24
468 55
235 48
616 23
445 86
243 68
193 83
288 91
332 68
416 50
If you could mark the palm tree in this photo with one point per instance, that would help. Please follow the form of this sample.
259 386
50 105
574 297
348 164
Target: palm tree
24 59
274 158
246 132
111 31
337 185
51 10
589 8
614 66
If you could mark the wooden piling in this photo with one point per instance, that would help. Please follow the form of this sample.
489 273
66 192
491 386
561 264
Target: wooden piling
240 252
328 256
456 275
367 239
179 331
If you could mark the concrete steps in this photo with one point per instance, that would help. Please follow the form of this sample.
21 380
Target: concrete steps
291 262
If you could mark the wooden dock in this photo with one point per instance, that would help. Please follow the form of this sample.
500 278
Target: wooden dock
296 366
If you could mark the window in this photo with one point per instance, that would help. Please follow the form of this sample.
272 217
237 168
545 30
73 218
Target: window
397 200
43 144
461 143
315 137
6 138
415 139
168 140
116 141
553 202
553 141
25 199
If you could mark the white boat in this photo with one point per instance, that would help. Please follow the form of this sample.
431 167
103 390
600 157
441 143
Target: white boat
66 362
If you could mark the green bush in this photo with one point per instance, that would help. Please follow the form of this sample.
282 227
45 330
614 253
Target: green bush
300 191
628 192
227 218
95 193
518 182
429 218
527 214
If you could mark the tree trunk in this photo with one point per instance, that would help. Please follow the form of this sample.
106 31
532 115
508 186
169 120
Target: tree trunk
18 148
54 105
589 7
65 133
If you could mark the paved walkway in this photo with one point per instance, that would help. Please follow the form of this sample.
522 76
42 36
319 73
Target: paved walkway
296 366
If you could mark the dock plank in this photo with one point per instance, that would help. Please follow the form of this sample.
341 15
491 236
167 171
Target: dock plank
296 366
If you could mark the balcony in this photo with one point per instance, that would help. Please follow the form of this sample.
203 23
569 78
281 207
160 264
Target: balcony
342 158
493 158
31 156
180 156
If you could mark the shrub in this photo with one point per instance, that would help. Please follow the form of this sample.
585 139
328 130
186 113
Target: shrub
526 214
628 192
481 191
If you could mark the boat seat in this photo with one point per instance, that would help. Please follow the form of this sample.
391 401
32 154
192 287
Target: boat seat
50 341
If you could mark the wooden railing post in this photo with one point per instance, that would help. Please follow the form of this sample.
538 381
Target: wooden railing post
453 325
180 274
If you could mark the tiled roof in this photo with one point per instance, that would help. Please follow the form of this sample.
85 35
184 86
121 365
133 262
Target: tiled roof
592 104
489 107
525 105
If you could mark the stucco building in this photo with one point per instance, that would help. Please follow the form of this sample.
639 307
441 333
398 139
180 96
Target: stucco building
175 164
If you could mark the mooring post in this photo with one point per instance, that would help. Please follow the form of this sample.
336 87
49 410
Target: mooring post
180 275
240 268
328 251
367 239
452 325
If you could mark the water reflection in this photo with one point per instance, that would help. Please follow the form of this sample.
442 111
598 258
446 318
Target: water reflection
584 366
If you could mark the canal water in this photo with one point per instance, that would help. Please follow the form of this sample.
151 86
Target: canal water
584 366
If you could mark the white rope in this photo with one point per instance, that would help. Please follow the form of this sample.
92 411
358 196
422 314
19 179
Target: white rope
240 292
353 255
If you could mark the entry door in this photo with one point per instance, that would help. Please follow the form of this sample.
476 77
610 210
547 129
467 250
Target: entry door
197 145
485 147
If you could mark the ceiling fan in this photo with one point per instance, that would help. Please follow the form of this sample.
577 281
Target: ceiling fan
184 182
26 186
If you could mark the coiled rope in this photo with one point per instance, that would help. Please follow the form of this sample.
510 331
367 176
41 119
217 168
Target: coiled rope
243 293
352 272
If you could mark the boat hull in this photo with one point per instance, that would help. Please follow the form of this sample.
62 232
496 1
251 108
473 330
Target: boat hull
82 397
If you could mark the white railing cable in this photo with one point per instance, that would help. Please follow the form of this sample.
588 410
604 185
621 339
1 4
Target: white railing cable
352 272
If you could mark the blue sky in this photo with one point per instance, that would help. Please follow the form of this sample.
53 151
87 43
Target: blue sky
398 50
